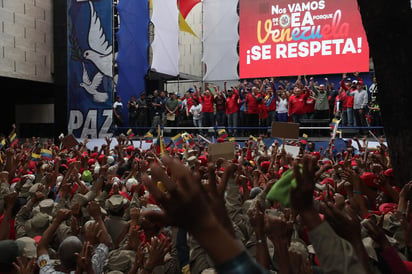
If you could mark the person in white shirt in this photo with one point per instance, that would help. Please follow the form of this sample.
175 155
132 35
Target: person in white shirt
373 89
360 101
196 111
282 107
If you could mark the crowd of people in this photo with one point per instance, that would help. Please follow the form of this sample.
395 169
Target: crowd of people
118 208
256 104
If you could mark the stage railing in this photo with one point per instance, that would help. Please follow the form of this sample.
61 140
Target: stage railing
245 131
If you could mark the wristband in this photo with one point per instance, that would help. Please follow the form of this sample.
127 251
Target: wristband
357 192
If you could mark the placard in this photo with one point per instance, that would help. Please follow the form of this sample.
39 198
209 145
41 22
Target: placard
69 141
292 150
285 130
221 150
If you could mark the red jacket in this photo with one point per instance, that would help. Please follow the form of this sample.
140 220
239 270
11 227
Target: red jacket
350 100
297 104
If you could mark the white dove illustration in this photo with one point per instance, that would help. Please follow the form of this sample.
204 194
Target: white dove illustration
100 52
91 86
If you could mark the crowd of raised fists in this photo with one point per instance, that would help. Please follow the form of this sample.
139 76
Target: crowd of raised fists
121 209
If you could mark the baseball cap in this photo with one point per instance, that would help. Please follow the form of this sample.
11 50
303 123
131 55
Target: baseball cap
46 206
29 246
116 202
37 224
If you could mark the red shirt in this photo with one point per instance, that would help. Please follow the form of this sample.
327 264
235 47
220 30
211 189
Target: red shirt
343 98
251 104
297 105
310 105
220 103
271 102
207 103
232 104
263 111
189 103
350 100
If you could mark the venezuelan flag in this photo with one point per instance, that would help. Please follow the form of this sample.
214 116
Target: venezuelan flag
35 157
304 139
148 137
334 127
130 133
222 133
177 139
46 154
160 148
13 139
2 143
188 138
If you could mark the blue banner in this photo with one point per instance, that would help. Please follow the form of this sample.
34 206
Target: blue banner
90 68
133 41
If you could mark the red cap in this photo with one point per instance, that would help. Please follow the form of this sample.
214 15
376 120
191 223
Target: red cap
129 149
203 159
370 179
388 172
316 154
265 164
100 158
91 162
388 207
328 180
37 239
15 180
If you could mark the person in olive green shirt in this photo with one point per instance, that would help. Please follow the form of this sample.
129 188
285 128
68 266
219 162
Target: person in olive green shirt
172 106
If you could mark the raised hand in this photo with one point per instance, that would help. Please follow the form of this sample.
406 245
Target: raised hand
63 215
376 232
256 218
93 209
25 266
185 204
278 227
90 233
346 226
302 195
84 259
157 251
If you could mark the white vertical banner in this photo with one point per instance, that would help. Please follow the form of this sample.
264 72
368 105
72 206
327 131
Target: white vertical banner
165 45
220 38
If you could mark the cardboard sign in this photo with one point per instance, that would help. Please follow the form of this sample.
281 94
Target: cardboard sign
285 130
292 150
69 141
221 150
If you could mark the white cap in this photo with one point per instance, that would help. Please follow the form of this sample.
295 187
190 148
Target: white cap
110 159
130 182
30 178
